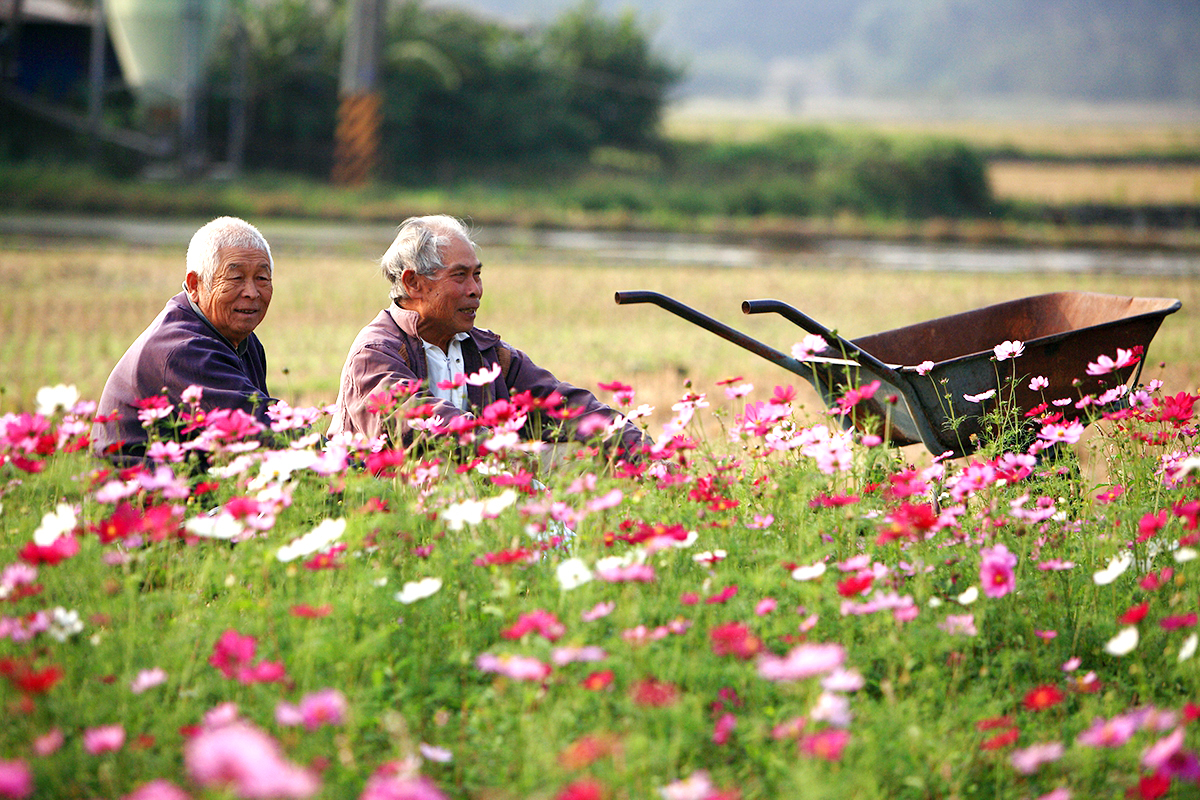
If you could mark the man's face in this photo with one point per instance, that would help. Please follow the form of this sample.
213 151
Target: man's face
240 293
447 301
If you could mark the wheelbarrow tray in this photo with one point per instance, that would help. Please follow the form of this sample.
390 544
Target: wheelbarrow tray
1062 332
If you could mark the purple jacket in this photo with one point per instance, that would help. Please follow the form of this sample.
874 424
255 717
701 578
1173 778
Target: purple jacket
389 351
178 350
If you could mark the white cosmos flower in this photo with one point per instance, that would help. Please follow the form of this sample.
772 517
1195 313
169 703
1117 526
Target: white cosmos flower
54 524
969 596
316 540
573 573
1189 647
51 398
472 512
220 526
1185 554
1123 643
1116 567
810 572
418 590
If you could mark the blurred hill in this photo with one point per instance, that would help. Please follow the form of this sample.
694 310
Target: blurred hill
789 54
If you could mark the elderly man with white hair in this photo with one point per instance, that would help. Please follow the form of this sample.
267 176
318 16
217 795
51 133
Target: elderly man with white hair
426 340
204 337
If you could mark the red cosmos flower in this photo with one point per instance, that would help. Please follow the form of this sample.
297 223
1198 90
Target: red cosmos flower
29 680
327 559
122 523
852 397
204 487
60 549
539 621
1150 524
1134 614
833 501
653 693
855 584
587 789
723 728
1189 512
518 555
1182 621
1150 787
232 652
908 521
588 749
1156 580
726 594
1001 740
734 639
992 723
384 463
1177 410
309 612
1043 697
615 386
601 679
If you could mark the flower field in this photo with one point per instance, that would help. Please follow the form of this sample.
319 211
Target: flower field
789 611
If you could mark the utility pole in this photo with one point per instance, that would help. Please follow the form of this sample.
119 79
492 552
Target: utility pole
96 81
189 119
360 104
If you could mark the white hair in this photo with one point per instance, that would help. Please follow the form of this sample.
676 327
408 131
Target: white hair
222 232
418 248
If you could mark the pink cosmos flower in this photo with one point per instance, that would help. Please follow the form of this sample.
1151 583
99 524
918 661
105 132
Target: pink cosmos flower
246 760
517 667
599 611
723 728
1104 364
158 790
1027 760
1158 755
49 742
1007 350
853 397
924 367
826 744
803 661
960 624
16 779
1068 433
398 782
147 679
104 739
996 571
539 621
1039 382
324 707
1109 732
765 606
809 346
979 398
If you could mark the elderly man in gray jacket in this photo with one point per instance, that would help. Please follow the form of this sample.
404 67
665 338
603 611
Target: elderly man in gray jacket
427 339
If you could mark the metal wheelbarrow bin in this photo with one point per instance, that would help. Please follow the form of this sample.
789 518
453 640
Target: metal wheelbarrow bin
1062 333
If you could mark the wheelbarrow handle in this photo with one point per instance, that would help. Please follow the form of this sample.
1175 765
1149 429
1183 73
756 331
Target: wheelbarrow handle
719 328
848 348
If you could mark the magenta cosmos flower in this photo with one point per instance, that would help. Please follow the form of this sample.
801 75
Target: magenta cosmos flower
996 571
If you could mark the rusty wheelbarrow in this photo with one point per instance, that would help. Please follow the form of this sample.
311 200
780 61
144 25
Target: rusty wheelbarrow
1062 333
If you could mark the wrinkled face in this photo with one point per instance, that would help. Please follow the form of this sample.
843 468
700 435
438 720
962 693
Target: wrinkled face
446 302
240 293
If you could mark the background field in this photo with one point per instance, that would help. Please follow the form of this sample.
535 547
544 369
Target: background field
68 311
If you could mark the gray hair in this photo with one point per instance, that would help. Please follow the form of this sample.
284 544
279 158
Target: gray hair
222 232
417 248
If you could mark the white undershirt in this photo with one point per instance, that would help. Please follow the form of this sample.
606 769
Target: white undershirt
444 367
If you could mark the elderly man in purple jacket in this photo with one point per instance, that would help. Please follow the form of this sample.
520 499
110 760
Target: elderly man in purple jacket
427 336
204 337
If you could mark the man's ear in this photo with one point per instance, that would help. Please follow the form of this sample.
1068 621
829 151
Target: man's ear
191 282
414 287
